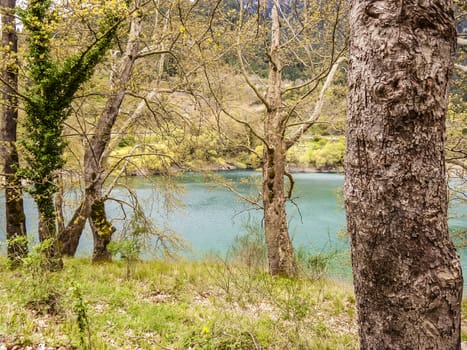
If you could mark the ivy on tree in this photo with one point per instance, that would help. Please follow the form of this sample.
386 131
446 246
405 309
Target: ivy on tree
47 103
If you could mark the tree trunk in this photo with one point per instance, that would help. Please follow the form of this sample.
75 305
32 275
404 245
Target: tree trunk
15 218
280 251
102 231
407 275
95 159
70 236
48 233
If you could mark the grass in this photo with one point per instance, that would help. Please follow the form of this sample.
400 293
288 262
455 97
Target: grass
173 305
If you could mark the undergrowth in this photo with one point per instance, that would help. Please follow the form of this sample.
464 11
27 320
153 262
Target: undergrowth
174 305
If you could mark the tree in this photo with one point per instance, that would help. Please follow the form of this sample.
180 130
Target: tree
407 276
99 147
47 101
293 31
280 251
93 203
15 218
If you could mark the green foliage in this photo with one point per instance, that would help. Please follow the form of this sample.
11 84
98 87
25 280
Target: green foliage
37 288
315 265
176 304
48 96
321 153
21 247
130 244
35 262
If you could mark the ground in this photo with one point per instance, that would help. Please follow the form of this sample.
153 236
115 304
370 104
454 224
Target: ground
179 304
172 305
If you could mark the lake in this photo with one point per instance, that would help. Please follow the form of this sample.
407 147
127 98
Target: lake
211 216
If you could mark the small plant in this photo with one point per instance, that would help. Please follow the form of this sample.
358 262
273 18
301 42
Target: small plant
250 248
19 249
131 243
81 311
38 289
315 265
36 262
128 249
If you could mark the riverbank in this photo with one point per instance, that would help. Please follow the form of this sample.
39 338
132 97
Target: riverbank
293 168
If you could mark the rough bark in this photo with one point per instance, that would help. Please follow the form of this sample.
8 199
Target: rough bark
102 231
92 206
407 276
48 233
70 236
280 251
15 218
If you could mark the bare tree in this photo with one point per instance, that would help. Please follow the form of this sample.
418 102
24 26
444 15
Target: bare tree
286 119
407 275
92 205
99 147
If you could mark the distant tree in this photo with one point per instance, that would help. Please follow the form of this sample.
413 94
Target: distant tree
15 218
407 275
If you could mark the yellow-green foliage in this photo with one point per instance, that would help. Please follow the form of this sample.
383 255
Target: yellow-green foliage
321 152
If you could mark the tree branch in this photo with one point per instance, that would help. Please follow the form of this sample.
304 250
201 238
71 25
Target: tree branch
318 106
460 67
459 163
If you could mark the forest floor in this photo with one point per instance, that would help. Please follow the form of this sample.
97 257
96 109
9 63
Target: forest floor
172 305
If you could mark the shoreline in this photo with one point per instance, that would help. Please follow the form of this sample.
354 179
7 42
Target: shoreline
298 169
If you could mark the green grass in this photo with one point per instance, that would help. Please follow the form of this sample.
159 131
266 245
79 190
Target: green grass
173 305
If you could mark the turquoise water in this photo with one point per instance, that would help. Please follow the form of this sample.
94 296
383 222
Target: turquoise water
211 216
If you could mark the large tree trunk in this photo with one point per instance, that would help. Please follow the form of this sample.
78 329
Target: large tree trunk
280 251
407 276
15 218
94 160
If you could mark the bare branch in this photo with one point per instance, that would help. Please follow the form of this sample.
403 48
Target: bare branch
460 67
150 52
318 106
252 86
129 122
458 162
248 125
292 184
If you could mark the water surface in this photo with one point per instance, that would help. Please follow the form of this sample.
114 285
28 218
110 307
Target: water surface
211 216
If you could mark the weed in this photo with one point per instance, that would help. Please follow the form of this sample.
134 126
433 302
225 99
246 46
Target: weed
81 311
249 249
